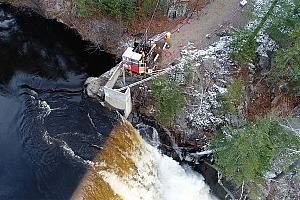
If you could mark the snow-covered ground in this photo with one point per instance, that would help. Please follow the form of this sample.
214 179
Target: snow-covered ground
211 66
209 80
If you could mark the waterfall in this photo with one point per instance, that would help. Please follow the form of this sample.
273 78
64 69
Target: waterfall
128 168
174 145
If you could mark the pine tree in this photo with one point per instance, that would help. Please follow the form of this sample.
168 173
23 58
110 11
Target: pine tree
244 43
244 155
121 9
285 30
283 26
169 97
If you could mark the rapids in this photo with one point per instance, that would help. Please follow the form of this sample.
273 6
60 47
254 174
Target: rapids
129 168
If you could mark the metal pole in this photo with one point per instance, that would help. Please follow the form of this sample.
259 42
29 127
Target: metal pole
124 80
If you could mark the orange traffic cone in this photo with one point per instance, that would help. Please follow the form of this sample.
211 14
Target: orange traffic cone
181 45
189 22
178 30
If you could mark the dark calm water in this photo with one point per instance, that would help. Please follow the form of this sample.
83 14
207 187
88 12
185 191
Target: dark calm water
48 129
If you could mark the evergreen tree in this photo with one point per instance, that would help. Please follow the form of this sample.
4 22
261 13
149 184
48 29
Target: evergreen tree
285 30
169 97
231 99
244 43
283 26
121 9
245 154
83 8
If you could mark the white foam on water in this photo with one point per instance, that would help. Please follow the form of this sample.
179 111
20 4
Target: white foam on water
177 183
45 109
68 151
158 177
142 185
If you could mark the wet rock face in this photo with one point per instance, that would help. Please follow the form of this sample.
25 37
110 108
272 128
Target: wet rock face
94 87
7 25
264 62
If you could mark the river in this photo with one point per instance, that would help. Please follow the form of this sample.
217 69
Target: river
50 133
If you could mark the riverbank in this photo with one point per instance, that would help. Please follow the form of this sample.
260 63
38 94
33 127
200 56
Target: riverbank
193 128
202 35
214 72
207 26
104 32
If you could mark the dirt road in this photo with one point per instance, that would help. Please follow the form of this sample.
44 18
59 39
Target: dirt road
215 17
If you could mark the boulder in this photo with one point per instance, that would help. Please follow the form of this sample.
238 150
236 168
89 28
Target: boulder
93 87
264 62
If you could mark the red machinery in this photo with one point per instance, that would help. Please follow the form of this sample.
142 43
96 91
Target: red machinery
141 58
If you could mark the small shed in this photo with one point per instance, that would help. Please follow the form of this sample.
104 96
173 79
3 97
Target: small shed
133 61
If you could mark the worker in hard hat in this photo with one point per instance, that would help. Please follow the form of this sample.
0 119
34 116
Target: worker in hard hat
167 39
168 35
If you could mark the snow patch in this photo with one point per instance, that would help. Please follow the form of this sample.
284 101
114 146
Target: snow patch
211 68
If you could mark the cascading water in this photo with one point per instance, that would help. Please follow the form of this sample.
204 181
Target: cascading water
149 134
171 177
131 169
57 144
